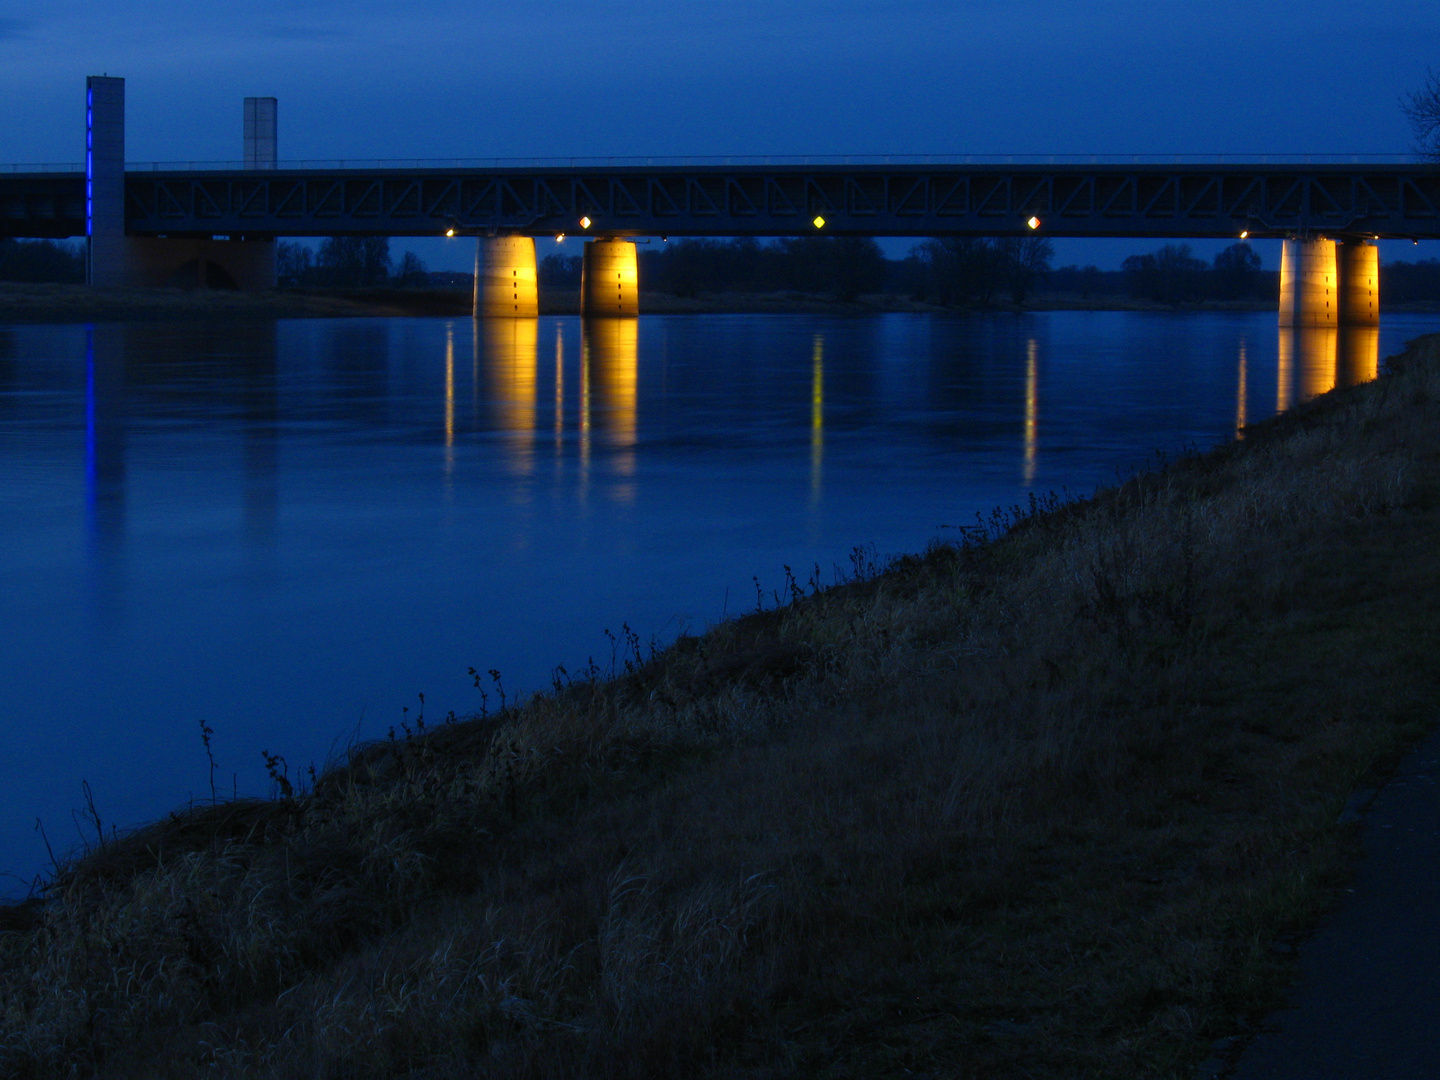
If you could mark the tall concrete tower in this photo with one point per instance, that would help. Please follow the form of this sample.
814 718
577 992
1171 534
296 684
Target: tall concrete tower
106 253
260 138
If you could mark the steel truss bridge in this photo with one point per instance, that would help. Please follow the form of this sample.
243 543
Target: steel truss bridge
1137 200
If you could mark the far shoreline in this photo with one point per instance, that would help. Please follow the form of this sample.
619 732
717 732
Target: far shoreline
65 303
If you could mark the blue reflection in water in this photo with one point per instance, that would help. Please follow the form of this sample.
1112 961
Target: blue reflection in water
290 530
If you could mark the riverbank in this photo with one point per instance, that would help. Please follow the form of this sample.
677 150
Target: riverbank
1054 800
81 303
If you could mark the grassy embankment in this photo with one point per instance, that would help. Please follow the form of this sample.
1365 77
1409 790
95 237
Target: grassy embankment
1041 804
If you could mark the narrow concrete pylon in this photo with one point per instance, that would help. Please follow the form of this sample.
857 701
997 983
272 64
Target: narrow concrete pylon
609 279
1309 294
106 252
1359 283
505 280
261 134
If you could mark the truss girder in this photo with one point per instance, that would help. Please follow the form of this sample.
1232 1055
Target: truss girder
42 206
1070 200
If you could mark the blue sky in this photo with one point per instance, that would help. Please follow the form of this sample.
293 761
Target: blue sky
370 79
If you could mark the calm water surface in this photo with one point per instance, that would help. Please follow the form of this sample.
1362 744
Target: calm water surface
291 530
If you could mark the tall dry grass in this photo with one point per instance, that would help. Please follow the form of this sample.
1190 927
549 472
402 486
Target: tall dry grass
1039 803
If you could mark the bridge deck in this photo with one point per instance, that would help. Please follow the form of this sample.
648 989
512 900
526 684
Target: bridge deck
1160 200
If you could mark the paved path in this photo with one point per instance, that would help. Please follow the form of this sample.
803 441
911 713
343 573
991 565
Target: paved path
1367 1006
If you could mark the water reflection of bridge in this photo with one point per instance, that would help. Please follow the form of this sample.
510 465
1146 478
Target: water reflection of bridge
606 418
574 398
1313 360
1309 361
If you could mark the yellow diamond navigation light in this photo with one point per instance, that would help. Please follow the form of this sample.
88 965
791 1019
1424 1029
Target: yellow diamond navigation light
584 222
819 222
1034 223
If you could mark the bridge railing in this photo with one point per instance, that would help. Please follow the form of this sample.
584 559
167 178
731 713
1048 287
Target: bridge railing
744 161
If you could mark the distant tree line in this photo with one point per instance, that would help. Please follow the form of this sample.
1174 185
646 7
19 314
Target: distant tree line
962 269
1406 282
950 270
1173 275
346 262
41 260
947 271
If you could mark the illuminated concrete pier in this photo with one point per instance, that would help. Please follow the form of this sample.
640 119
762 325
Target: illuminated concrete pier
505 279
609 281
1359 284
1309 285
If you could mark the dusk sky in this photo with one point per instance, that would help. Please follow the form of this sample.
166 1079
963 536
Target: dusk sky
366 79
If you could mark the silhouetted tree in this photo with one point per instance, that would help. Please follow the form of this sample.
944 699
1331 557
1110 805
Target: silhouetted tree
1168 276
349 261
843 266
1087 281
1236 272
1024 260
411 270
959 268
560 271
1422 109
294 265
1406 282
41 260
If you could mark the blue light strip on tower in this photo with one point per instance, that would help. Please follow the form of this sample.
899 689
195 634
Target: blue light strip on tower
89 161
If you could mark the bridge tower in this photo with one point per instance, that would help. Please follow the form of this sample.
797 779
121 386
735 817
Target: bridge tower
115 259
105 246
505 278
609 279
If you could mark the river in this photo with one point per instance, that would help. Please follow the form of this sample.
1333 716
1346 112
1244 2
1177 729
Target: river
291 530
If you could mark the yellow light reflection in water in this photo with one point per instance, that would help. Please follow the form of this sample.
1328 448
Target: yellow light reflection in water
610 385
1315 359
1317 350
1359 354
817 417
449 401
1285 370
1032 407
509 351
559 392
1240 394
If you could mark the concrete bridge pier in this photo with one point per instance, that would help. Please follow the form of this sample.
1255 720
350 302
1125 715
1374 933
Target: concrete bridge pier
1309 285
609 280
1359 284
505 278
1323 284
